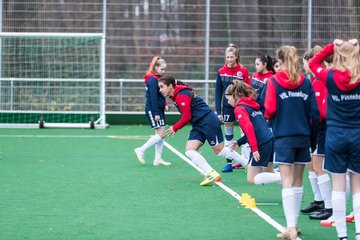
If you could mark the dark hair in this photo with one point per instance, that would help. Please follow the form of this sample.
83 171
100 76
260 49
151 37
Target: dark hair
170 80
269 62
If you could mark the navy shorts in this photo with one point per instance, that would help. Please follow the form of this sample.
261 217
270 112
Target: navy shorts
266 152
156 124
208 128
342 150
228 115
292 155
320 146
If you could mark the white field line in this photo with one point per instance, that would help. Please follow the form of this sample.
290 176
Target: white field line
260 213
75 136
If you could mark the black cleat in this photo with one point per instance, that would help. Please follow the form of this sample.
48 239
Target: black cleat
315 206
324 214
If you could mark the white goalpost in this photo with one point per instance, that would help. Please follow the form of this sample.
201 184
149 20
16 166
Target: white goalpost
52 80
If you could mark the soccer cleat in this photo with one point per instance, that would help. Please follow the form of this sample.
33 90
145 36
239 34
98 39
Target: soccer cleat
228 168
161 162
328 222
314 206
210 178
350 217
237 165
343 238
140 155
324 214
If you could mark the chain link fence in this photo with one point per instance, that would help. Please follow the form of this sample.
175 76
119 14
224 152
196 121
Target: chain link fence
191 35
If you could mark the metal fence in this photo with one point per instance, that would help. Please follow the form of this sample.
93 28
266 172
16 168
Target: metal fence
191 35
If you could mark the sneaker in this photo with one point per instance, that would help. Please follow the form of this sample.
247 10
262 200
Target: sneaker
328 222
237 165
350 217
228 168
161 162
210 178
314 206
140 155
324 214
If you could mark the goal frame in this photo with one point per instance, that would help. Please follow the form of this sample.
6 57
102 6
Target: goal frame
99 123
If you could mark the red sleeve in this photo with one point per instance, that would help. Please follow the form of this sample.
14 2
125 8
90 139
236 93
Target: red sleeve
244 121
183 102
247 77
315 63
270 100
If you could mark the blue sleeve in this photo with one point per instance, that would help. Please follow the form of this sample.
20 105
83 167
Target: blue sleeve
218 94
314 111
153 89
261 97
241 140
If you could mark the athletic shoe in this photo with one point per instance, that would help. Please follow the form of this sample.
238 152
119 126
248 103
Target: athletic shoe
344 238
324 214
237 165
140 155
328 222
357 236
161 162
350 217
314 206
228 168
210 178
288 234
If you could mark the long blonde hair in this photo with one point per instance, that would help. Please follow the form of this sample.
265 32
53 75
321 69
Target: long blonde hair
234 49
288 55
347 58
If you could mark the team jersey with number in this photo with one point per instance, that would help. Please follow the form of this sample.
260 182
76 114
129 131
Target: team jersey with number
225 77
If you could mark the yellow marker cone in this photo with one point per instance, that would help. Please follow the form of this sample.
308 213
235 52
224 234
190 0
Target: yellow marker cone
251 203
244 199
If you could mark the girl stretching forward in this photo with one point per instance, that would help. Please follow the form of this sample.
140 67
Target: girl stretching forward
241 96
205 126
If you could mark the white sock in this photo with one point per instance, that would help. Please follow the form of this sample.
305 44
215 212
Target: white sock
314 186
356 209
226 153
267 178
348 188
298 193
199 160
158 149
288 201
324 183
339 212
229 135
152 141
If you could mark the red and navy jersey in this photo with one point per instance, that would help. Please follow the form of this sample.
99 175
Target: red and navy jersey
321 96
224 78
155 101
258 82
252 123
192 109
343 101
290 107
